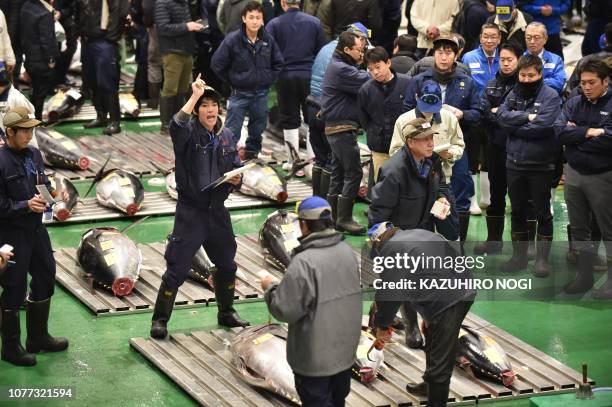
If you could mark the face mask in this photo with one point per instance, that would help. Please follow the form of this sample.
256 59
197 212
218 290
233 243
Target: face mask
527 90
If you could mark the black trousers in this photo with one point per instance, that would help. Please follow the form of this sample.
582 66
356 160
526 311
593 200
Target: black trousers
42 84
34 255
65 58
195 227
318 139
292 93
345 164
496 157
534 185
326 391
554 45
475 146
441 339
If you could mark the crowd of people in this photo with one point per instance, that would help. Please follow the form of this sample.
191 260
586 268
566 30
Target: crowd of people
475 93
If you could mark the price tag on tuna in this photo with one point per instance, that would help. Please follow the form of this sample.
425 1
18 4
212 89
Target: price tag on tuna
106 245
69 144
268 170
56 101
291 244
110 259
73 94
262 339
56 135
124 181
288 228
362 351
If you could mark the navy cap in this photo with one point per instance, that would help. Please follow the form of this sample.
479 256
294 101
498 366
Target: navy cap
429 99
504 9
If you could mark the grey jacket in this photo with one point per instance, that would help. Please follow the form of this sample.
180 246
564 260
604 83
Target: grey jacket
320 298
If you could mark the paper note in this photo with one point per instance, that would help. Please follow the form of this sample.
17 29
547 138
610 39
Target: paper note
110 259
262 338
362 351
291 244
287 228
56 135
74 94
128 191
69 144
106 245
124 181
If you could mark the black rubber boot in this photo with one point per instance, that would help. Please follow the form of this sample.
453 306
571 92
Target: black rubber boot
532 226
418 389
541 264
333 202
12 351
605 291
414 339
437 395
162 311
494 243
153 101
464 224
114 111
224 294
100 105
166 111
345 222
518 261
572 254
584 274
316 181
37 318
325 178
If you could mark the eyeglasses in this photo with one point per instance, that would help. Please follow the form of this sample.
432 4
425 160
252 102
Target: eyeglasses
533 37
360 50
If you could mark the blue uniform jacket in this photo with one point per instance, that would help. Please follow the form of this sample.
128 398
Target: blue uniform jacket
20 172
299 37
530 144
247 66
319 67
587 155
201 158
481 72
461 93
552 22
553 70
341 85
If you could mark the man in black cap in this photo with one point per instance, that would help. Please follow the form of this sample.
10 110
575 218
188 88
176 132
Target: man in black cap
200 142
21 206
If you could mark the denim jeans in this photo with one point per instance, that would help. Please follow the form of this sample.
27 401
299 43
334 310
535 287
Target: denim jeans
462 183
256 104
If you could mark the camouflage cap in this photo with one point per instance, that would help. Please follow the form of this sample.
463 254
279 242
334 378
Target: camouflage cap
417 129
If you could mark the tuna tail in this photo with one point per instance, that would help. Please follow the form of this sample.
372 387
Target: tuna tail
99 175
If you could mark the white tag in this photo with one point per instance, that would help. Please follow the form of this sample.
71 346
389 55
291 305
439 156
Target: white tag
442 147
6 248
74 94
549 65
440 210
474 64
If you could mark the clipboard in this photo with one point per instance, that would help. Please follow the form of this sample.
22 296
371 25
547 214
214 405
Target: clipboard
227 176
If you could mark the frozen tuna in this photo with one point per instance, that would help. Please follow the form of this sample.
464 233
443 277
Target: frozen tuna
60 151
264 181
279 235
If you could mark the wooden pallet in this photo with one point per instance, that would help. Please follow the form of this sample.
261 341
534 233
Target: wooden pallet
88 112
142 299
199 363
160 203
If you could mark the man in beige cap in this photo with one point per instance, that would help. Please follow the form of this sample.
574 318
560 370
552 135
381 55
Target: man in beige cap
21 207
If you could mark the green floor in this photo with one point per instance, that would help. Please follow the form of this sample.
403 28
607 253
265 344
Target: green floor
104 371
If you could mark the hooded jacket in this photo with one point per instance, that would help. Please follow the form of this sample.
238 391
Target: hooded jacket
320 297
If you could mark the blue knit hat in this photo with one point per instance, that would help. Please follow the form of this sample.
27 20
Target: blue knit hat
314 208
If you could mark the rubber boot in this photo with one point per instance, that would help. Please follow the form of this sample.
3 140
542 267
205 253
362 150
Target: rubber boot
166 110
532 226
518 261
12 351
114 111
345 222
37 319
224 294
552 201
179 102
464 224
474 208
154 89
572 254
437 395
485 190
414 339
324 185
541 265
605 291
162 311
316 181
99 103
494 243
292 137
584 274
333 202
